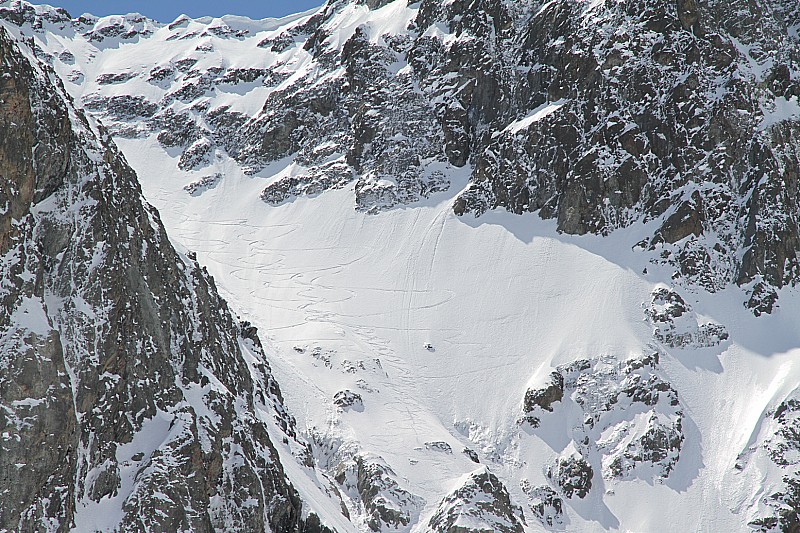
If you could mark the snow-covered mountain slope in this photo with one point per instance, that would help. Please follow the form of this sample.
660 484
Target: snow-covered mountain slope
131 398
521 266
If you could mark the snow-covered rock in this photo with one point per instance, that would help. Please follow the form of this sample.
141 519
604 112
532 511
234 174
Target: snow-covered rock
478 505
677 326
629 425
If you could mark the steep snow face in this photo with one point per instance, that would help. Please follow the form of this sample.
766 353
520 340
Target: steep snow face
602 382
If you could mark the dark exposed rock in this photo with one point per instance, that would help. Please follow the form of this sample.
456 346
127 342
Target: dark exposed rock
198 155
480 505
223 30
122 107
689 15
687 220
763 298
160 73
472 454
333 176
111 78
543 399
572 475
439 446
196 188
243 75
347 399
67 57
179 130
374 4
599 117
384 129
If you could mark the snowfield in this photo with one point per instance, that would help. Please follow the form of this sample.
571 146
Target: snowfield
349 301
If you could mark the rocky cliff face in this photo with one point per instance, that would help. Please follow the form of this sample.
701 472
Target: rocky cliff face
603 116
677 113
132 398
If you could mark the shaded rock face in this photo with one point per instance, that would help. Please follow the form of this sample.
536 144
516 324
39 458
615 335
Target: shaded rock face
480 505
632 111
370 126
124 378
543 399
37 421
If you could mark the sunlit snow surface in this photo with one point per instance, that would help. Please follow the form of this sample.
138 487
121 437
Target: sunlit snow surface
441 322
500 299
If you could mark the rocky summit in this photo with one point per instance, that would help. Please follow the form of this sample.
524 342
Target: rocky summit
455 266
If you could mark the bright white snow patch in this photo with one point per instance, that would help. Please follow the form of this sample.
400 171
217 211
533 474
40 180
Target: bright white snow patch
783 110
30 315
538 114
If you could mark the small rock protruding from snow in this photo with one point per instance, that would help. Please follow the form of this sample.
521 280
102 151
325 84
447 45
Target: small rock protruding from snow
472 454
439 446
348 399
196 188
677 325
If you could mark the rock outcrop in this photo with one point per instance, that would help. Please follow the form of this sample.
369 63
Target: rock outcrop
479 505
372 484
545 504
780 445
676 325
631 424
